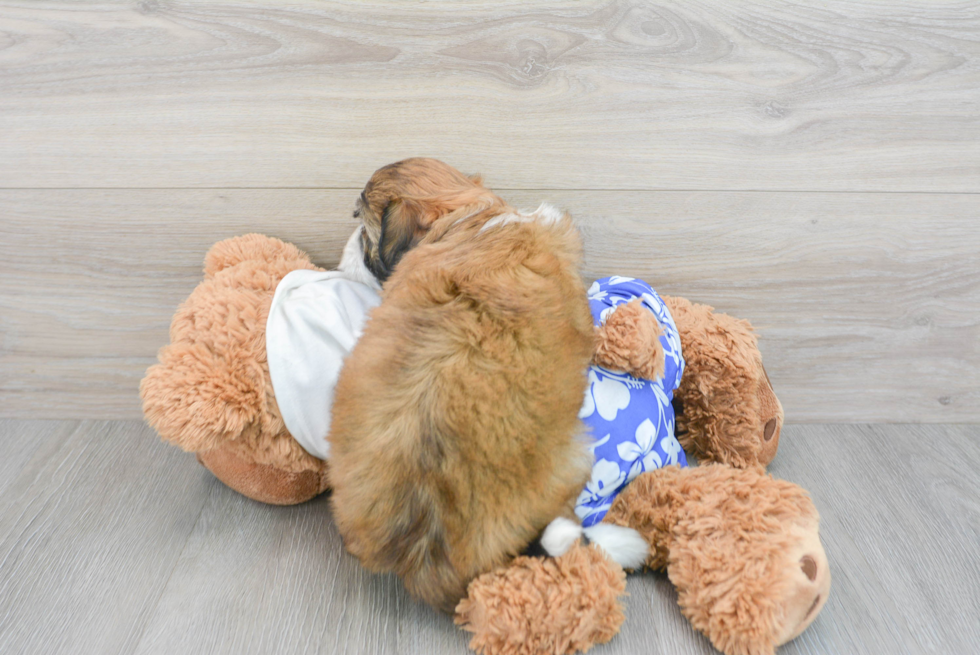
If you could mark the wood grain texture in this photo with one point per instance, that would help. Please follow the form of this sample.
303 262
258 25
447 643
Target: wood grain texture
260 579
860 96
118 544
22 443
868 304
89 536
900 520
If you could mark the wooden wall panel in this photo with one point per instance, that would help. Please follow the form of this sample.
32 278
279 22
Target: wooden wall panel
868 304
858 96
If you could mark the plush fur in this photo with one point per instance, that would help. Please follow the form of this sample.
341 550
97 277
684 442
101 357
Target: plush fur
211 391
577 594
727 409
630 341
730 412
742 548
725 536
211 394
454 438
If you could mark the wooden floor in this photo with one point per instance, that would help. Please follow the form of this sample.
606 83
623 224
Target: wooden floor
113 543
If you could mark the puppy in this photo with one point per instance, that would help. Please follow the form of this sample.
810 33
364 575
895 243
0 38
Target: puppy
455 437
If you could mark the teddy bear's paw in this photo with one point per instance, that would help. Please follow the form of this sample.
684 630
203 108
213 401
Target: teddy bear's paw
536 605
629 341
264 482
198 399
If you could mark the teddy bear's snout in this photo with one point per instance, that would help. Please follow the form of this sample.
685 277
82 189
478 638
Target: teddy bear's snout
810 590
809 567
771 418
770 431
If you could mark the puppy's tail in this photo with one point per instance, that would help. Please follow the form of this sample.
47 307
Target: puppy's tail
413 545
623 545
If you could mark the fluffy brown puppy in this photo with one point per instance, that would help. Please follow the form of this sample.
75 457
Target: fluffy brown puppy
454 439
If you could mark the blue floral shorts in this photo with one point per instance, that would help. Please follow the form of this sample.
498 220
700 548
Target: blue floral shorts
631 420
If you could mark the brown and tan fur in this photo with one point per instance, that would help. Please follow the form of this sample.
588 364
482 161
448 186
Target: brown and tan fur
742 548
455 439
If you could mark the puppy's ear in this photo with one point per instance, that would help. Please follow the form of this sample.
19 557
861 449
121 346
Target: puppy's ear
476 179
403 225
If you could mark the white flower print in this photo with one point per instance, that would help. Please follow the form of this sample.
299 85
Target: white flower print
671 447
607 396
585 511
619 279
641 453
606 479
598 443
611 396
595 292
588 403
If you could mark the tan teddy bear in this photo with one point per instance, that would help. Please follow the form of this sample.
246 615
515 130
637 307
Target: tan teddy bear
741 547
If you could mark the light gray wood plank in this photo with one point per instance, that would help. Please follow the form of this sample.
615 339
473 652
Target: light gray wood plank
90 534
260 579
95 555
24 442
868 304
900 520
847 95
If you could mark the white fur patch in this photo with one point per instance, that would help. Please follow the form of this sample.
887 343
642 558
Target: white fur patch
548 214
545 214
352 261
560 535
624 545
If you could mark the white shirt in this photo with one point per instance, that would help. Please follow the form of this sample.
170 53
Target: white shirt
315 319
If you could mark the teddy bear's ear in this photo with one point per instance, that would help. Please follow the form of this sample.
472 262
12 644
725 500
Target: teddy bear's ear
195 400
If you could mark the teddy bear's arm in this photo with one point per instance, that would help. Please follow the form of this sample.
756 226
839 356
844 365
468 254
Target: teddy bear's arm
629 341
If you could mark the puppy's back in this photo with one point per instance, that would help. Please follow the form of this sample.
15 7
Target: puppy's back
455 430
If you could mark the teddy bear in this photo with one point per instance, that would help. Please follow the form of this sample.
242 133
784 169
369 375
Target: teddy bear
742 548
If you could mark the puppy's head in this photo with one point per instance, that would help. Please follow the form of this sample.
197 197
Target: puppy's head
402 202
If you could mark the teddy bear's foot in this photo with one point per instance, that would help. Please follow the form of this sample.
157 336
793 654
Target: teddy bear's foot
263 482
742 548
535 605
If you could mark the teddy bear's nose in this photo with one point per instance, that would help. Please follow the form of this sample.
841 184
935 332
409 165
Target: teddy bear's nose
770 429
809 566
